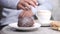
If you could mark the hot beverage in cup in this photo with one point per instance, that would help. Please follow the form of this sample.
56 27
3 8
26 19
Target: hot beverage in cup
44 17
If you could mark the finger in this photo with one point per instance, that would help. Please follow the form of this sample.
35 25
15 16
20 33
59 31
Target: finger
22 13
35 1
25 14
32 13
31 3
21 6
27 5
29 14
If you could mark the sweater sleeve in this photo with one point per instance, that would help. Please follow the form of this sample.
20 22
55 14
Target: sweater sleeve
9 3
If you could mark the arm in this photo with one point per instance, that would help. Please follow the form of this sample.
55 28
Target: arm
9 3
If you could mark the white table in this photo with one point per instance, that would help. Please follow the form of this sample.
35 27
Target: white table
41 30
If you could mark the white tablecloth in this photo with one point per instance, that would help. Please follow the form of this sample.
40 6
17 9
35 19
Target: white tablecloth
41 30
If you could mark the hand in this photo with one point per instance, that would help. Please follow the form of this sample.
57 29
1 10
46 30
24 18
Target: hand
26 3
26 13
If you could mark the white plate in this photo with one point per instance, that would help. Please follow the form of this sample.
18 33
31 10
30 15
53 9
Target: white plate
35 26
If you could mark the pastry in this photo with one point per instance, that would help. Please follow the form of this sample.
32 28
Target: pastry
25 22
55 25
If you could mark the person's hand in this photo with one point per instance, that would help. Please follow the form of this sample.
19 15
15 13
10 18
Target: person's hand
26 13
25 4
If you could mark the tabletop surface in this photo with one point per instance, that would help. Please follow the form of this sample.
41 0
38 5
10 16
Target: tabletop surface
41 30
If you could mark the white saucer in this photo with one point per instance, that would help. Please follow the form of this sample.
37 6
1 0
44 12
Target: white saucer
35 26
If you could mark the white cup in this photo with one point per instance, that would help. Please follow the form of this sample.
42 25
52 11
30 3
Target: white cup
44 17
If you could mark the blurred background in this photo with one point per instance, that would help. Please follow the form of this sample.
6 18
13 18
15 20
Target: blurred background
56 9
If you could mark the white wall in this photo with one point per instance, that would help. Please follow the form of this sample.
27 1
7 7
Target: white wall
56 9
